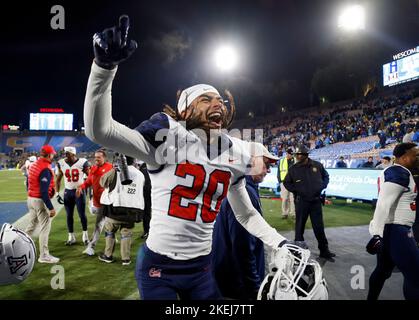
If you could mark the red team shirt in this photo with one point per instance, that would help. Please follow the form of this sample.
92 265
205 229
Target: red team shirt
93 180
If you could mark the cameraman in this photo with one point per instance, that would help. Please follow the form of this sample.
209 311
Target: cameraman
123 205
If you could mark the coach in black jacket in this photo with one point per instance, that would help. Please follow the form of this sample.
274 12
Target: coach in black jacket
306 179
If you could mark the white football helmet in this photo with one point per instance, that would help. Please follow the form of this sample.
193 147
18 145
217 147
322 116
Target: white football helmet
17 255
293 276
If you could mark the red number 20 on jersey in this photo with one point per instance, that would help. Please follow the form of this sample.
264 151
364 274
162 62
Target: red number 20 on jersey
198 173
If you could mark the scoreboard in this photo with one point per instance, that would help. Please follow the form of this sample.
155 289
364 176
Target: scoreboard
51 121
404 67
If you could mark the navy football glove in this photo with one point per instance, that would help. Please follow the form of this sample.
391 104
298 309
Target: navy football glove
374 245
111 46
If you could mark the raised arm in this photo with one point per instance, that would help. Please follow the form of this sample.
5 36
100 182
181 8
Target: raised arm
111 47
102 128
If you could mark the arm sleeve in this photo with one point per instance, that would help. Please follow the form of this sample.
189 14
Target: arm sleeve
102 129
249 217
288 183
88 183
146 191
390 193
325 177
86 166
45 180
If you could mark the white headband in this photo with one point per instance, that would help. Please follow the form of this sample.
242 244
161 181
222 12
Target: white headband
191 93
70 149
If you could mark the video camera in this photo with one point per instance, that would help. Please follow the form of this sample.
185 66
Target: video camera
122 167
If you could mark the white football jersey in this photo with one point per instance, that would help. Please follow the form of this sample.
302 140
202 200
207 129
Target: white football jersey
187 195
73 175
186 191
403 210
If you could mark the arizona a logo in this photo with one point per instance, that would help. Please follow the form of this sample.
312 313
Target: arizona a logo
16 263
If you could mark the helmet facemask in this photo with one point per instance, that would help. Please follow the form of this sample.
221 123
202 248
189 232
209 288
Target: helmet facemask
293 276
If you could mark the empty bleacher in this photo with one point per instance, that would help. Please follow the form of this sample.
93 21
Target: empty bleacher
345 149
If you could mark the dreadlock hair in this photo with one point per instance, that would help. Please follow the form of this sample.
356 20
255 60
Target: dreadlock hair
191 123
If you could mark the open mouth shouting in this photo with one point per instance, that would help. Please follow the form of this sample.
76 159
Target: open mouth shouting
215 120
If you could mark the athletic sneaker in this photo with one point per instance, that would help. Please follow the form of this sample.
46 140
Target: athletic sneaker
85 238
89 251
70 242
104 258
48 259
71 239
126 262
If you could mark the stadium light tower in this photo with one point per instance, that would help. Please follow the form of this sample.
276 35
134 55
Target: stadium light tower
226 58
352 18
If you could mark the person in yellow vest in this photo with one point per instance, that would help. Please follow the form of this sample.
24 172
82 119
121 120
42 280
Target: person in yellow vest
288 207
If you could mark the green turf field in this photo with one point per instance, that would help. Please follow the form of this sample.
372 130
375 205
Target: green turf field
88 278
12 186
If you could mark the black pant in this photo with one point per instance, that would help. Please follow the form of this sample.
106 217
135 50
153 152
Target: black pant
398 249
70 201
304 209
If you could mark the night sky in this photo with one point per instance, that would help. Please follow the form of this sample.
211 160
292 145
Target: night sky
277 40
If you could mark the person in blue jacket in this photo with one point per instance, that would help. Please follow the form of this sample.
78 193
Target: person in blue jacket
238 257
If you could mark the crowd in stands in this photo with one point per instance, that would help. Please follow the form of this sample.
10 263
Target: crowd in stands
391 119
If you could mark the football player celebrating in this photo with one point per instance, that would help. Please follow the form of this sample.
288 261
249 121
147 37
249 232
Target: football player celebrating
189 176
73 168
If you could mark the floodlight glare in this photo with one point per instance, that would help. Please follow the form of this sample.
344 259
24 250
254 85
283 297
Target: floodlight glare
352 18
226 58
